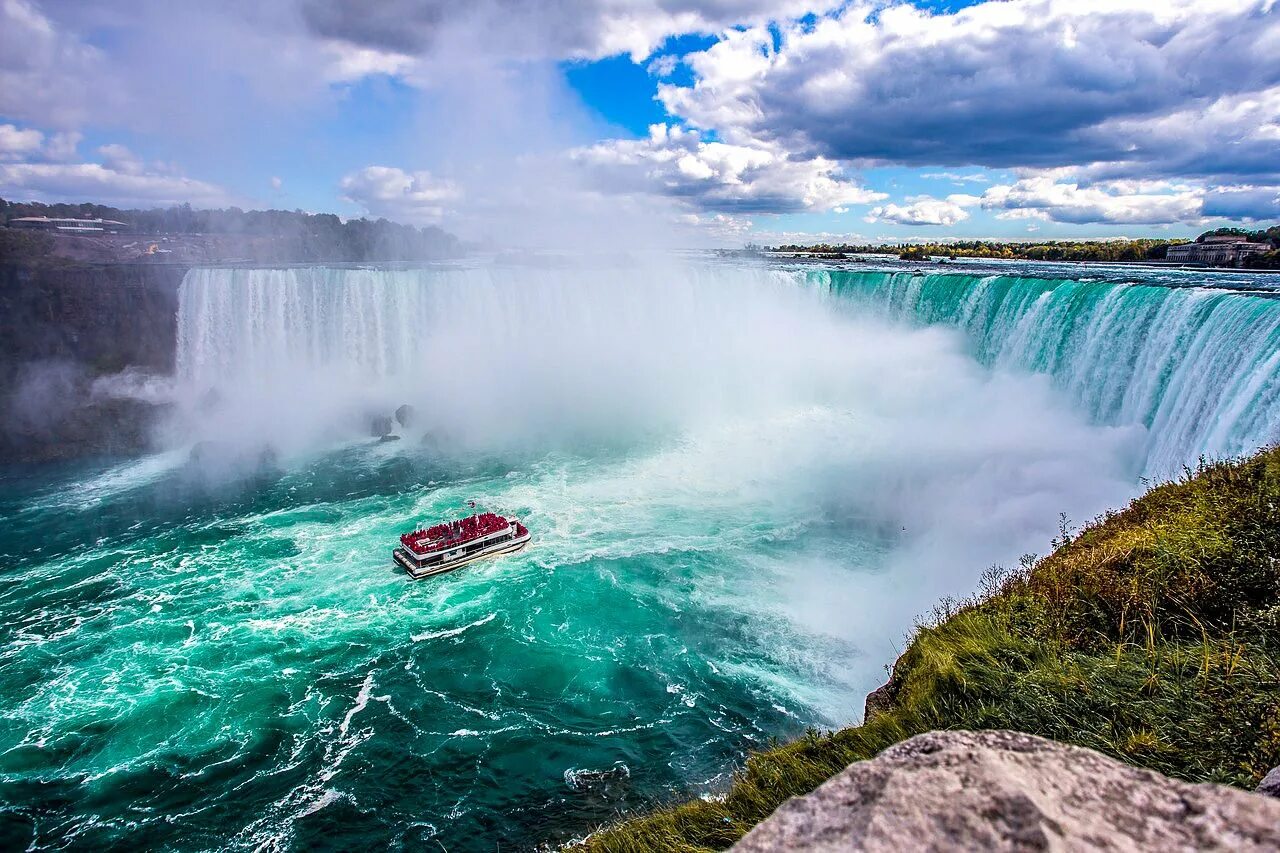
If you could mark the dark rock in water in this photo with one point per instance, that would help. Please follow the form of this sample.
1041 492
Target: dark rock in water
388 437
405 415
610 783
998 790
380 426
1270 784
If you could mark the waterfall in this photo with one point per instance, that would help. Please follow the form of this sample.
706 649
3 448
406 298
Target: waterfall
1197 368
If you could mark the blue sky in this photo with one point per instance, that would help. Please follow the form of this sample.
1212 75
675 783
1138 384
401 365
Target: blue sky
731 121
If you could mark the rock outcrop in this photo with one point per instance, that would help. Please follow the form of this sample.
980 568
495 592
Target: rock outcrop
63 326
1271 783
884 698
999 790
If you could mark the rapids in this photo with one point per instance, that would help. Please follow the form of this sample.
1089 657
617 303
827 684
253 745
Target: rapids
743 484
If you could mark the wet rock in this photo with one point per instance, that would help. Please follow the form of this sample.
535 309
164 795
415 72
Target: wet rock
608 784
1270 784
389 437
1009 791
879 701
380 426
405 415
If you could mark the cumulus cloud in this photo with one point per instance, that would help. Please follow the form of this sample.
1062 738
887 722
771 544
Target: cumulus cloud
1115 202
74 182
1235 137
118 158
1248 203
415 197
719 225
717 176
47 168
1030 83
45 71
19 143
526 29
925 210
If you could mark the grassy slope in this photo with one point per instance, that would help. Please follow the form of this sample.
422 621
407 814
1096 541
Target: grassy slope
1153 636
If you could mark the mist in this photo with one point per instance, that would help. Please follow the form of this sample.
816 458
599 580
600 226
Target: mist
692 386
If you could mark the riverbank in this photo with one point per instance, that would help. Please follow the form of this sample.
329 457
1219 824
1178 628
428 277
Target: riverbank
1152 636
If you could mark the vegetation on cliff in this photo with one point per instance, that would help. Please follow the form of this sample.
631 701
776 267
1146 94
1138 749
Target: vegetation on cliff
1051 250
300 236
1152 636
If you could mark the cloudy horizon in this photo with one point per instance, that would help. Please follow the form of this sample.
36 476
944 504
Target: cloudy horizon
723 121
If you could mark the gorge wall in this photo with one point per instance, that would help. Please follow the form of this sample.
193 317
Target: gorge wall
65 325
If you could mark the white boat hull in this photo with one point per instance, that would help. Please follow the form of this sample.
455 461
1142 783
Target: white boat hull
498 549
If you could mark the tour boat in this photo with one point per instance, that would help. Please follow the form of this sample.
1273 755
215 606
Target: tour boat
445 547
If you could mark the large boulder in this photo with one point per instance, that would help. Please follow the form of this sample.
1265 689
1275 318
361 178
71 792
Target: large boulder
1271 783
1007 791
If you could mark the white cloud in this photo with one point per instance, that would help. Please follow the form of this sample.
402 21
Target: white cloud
348 63
76 182
958 177
1247 203
120 159
1115 202
19 143
1032 83
386 191
925 210
47 168
720 177
46 74
722 226
589 29
663 66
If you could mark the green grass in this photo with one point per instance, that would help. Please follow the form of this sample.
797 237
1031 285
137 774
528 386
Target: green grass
1152 636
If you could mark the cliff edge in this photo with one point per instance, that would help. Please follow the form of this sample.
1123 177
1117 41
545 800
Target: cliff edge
1151 637
1006 791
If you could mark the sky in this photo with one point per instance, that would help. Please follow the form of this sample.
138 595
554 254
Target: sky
713 122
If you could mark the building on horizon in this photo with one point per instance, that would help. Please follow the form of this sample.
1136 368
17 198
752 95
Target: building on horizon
1219 250
68 225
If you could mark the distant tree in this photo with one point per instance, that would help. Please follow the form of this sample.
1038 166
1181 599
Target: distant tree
16 243
295 235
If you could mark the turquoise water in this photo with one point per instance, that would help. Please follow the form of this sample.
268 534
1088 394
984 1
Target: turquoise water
742 484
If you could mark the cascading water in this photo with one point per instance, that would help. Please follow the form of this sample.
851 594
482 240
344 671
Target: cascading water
742 484
1198 368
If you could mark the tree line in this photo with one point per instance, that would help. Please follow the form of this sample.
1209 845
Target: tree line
295 234
1051 250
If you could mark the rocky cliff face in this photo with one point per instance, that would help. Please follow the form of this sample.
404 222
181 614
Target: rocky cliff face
64 328
999 790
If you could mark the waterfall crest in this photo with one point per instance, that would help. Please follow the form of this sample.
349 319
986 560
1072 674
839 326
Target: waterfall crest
1199 369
